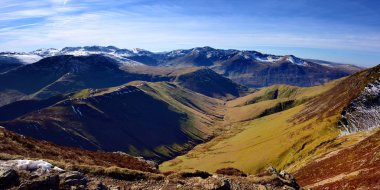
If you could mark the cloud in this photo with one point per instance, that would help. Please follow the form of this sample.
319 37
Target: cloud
165 26
130 29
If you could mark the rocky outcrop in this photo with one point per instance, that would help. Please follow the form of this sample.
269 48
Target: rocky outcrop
363 113
73 179
269 180
40 175
8 178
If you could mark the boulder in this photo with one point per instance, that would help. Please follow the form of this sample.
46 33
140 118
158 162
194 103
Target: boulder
47 181
73 179
8 178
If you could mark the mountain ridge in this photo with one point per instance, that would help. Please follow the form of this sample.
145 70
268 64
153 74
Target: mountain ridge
247 67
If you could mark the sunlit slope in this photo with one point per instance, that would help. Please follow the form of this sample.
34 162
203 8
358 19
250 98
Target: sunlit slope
286 139
271 100
355 165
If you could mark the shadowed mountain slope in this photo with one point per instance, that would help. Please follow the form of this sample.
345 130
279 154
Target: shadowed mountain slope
8 63
15 146
198 79
153 120
209 83
62 74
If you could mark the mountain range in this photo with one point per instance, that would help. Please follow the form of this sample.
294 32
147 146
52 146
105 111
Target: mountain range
228 112
249 68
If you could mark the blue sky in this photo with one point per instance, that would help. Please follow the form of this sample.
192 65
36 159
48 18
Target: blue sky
345 31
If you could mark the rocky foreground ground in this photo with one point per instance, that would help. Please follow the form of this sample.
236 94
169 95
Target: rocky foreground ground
41 175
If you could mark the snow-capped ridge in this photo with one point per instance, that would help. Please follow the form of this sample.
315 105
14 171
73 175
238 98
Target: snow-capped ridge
133 56
25 58
295 60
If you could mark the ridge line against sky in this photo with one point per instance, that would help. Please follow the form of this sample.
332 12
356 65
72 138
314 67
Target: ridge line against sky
341 31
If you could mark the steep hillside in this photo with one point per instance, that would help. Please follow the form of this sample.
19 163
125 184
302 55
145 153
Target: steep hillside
16 109
15 146
355 167
333 101
154 120
358 122
287 139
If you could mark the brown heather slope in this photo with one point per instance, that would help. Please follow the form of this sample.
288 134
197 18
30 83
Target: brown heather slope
15 146
357 167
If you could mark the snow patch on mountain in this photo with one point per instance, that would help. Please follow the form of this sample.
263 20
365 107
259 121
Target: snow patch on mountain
46 52
268 58
26 58
363 113
295 60
121 55
126 57
39 166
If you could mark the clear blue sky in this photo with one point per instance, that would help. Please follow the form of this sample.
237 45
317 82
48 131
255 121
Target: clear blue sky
345 31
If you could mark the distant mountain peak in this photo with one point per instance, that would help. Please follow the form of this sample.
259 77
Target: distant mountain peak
138 50
205 48
295 60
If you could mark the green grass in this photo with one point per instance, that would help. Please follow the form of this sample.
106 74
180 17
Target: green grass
82 94
270 140
256 140
271 100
